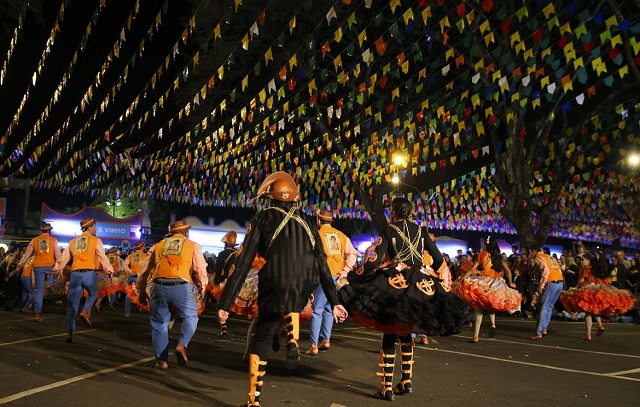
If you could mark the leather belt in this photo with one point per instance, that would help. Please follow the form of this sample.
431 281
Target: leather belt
169 283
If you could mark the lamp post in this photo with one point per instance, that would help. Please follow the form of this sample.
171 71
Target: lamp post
399 160
113 203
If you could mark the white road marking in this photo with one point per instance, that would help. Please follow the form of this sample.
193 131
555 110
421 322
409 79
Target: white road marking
44 337
336 405
539 345
61 383
21 320
516 361
624 372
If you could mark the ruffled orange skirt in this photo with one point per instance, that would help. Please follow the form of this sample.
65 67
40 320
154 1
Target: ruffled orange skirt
598 299
490 293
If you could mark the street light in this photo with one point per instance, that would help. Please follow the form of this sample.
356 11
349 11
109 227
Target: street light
113 204
633 159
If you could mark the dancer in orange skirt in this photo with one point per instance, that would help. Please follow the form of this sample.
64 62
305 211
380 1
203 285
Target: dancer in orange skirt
483 287
595 296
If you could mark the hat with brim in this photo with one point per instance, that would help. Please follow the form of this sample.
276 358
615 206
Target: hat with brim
112 250
279 186
46 227
325 214
87 223
179 226
230 238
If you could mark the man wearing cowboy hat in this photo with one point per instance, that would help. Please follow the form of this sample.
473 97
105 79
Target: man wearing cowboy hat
131 266
341 257
224 264
177 268
46 252
86 253
289 242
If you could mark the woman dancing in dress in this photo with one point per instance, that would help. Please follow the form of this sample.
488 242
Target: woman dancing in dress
483 287
595 296
395 292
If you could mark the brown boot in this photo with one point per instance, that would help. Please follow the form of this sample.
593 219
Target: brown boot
37 318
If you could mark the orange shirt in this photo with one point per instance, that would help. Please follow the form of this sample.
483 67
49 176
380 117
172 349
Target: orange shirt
44 249
484 259
83 257
174 258
555 272
134 261
83 249
341 255
586 276
27 270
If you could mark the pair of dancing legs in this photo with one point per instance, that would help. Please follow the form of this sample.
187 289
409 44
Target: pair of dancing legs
387 362
588 321
261 333
478 314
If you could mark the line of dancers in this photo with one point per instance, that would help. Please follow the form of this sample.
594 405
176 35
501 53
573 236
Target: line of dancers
402 288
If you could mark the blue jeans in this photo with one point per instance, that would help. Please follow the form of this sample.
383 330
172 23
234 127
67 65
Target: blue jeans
27 292
41 280
549 297
79 281
183 299
322 318
127 300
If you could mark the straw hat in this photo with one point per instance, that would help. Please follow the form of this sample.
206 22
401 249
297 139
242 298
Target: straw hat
179 226
325 214
87 223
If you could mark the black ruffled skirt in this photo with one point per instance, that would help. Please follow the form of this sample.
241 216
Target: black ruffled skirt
403 299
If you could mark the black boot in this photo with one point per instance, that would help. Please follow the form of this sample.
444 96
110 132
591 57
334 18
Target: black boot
406 354
386 364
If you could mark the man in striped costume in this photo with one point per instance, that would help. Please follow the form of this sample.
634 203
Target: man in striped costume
289 241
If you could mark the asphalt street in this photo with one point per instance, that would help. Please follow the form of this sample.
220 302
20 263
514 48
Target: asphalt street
112 363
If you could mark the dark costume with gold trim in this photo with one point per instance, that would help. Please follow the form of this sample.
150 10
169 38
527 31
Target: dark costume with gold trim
397 292
295 262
